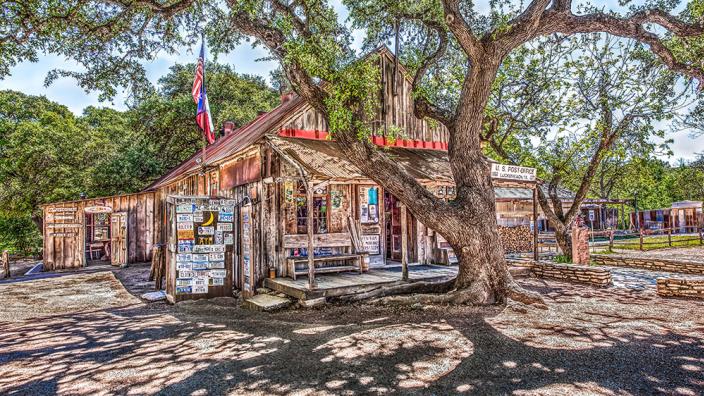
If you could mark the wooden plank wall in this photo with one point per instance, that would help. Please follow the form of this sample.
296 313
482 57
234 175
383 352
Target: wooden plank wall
397 110
143 227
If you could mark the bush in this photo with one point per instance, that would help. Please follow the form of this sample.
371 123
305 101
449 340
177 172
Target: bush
19 235
562 259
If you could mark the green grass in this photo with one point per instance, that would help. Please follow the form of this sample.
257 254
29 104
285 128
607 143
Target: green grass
657 242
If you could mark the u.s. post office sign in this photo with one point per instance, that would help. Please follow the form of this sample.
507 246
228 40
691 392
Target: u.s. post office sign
512 172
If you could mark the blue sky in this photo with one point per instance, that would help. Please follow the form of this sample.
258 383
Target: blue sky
29 77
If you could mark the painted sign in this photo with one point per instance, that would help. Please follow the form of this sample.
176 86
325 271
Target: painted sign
62 225
64 209
98 209
370 244
512 172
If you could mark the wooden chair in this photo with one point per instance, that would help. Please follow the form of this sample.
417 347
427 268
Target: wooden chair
95 247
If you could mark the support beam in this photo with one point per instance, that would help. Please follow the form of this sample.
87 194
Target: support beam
404 243
309 224
535 224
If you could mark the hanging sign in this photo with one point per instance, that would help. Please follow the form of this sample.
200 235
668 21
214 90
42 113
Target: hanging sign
512 172
98 209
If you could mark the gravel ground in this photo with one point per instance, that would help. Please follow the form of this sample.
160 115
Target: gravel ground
85 334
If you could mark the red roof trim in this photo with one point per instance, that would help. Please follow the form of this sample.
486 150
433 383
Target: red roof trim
378 140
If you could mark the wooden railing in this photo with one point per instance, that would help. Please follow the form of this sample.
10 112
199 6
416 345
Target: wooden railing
645 239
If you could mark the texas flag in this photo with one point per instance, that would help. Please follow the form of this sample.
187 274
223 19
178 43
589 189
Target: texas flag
201 98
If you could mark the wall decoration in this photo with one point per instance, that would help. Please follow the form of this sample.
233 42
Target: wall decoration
369 205
224 227
336 198
186 234
201 231
184 218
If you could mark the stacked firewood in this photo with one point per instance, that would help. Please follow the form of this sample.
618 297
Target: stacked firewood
516 239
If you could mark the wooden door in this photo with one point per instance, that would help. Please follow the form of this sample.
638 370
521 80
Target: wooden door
118 239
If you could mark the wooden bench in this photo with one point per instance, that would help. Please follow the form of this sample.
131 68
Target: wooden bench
334 240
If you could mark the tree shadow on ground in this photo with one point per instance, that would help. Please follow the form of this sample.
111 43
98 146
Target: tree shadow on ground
590 341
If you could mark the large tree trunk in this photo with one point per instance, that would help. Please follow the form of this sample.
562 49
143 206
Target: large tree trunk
469 222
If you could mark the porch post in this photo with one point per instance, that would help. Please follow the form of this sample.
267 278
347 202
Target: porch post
309 226
535 223
404 243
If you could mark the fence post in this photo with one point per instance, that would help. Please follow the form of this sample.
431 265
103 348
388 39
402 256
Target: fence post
611 240
641 239
6 264
669 237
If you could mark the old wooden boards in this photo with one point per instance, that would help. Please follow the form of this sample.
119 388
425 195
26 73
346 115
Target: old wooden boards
65 228
199 250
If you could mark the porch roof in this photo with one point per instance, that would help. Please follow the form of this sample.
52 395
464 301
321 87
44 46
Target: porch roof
323 159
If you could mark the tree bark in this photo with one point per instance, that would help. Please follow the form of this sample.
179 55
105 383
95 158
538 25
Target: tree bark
563 237
469 222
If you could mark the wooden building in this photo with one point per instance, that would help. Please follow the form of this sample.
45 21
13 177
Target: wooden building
293 191
121 229
681 217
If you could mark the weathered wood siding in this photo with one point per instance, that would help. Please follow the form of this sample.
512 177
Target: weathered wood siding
66 249
396 111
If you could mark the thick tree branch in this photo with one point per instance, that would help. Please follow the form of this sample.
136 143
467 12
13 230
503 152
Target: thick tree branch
462 31
421 106
630 27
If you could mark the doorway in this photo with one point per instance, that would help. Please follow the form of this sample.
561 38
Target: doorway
117 249
97 236
392 209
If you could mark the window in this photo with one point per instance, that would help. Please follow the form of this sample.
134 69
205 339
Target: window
321 205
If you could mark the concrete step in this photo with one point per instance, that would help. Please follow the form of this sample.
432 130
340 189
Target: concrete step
266 303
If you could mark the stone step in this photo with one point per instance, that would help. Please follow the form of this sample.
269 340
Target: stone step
266 303
519 272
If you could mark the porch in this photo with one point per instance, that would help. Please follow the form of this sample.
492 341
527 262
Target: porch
346 283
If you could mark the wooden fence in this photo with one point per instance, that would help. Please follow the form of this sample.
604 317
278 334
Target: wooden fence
644 239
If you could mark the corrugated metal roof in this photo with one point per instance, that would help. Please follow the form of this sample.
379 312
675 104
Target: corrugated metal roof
231 144
324 159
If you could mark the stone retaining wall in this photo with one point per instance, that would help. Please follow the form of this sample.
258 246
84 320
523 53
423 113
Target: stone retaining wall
573 273
681 287
652 264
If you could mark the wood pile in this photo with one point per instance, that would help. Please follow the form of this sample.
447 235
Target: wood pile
516 239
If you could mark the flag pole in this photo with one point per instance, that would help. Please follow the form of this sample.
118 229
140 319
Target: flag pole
205 138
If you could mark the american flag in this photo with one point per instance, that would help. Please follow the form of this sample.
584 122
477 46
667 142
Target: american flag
201 98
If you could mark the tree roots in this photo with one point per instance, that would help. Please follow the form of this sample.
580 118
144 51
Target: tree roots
443 293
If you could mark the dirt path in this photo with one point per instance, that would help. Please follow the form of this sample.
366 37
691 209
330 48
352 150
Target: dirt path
589 341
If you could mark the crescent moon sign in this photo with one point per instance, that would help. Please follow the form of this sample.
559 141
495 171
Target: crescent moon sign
210 220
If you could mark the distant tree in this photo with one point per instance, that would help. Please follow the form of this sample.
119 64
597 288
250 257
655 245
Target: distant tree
232 96
42 154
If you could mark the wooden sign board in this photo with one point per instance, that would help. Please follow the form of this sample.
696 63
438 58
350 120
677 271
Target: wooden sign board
202 260
512 172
